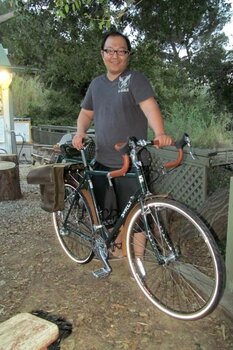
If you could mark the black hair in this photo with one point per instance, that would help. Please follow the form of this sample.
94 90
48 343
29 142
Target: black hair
115 33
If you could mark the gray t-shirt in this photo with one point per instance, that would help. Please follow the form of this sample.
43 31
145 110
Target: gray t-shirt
117 114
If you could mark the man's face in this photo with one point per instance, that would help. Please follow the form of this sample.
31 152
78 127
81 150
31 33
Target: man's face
115 62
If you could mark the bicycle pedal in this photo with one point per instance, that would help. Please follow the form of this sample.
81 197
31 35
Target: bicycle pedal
102 273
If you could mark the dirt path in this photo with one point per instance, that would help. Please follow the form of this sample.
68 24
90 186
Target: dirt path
105 314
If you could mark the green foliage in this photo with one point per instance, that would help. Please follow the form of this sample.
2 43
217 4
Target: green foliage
179 25
43 106
28 93
214 66
66 56
100 13
186 104
60 110
197 117
187 35
65 50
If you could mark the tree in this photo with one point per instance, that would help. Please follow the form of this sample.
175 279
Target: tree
179 26
65 48
63 51
189 34
212 66
104 13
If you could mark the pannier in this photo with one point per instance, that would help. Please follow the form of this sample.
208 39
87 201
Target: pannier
50 177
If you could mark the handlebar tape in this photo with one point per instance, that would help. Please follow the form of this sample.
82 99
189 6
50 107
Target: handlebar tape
173 163
123 170
124 149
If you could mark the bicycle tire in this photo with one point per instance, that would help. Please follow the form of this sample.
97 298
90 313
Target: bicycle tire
77 238
188 283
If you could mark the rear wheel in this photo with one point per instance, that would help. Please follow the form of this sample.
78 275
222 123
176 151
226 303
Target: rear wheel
179 269
76 236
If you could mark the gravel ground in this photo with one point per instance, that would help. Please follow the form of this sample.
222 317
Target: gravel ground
105 314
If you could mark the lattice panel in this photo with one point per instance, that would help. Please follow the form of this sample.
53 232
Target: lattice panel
186 183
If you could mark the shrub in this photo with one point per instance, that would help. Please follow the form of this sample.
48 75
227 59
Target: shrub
196 116
43 106
28 93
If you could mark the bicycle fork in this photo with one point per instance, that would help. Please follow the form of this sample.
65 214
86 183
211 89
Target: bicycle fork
162 259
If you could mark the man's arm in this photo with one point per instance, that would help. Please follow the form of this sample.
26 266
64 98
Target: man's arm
83 122
152 112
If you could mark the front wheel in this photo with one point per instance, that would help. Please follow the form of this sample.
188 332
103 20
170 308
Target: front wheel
76 236
175 261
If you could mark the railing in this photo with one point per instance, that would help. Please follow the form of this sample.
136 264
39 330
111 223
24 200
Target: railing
50 134
44 137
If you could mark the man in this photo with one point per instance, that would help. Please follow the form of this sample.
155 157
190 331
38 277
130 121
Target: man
121 103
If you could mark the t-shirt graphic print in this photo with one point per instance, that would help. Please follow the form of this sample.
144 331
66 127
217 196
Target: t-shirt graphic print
123 85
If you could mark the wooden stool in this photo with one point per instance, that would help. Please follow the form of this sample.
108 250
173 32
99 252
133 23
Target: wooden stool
9 177
27 332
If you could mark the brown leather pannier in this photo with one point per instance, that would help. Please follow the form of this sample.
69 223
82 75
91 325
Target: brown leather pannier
50 177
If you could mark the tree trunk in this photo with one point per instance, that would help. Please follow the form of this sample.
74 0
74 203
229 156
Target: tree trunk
6 16
9 177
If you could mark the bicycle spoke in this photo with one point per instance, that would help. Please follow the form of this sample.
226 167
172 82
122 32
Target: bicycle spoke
183 271
76 236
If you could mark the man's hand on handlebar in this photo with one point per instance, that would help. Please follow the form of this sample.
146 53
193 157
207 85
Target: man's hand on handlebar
78 141
163 140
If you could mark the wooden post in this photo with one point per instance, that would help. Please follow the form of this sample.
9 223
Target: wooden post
229 250
9 177
227 298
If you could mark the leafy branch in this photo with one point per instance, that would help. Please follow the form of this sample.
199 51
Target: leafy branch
103 12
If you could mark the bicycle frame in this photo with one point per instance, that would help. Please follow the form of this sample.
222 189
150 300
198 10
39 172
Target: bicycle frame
104 238
138 196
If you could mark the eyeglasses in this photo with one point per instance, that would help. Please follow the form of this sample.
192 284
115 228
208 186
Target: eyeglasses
120 52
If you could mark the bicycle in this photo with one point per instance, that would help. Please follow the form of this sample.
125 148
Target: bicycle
181 271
